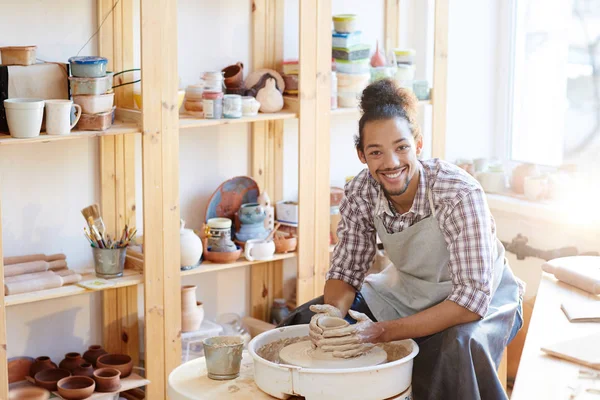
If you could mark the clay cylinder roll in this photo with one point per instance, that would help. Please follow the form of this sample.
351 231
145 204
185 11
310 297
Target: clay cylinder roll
24 277
33 257
33 266
33 285
64 272
73 278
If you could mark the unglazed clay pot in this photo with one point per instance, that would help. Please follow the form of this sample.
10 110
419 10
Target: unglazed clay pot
122 362
40 364
76 387
234 75
92 354
49 377
84 369
192 311
71 361
285 244
107 379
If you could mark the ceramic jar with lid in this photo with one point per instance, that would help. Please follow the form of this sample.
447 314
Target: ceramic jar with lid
191 247
217 228
212 103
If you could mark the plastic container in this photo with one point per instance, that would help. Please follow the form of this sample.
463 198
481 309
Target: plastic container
405 75
386 72
24 117
404 56
354 83
353 67
88 66
356 52
91 85
95 103
348 99
421 89
18 55
232 106
191 342
212 103
345 40
345 23
96 122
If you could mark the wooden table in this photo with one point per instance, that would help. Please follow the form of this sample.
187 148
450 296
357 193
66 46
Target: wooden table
541 376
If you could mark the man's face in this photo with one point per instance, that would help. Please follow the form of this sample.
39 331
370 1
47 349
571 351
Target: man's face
390 152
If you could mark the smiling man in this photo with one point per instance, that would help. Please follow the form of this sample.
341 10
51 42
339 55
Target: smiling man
448 286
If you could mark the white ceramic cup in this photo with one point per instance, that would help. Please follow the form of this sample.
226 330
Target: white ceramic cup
535 187
258 249
24 117
58 116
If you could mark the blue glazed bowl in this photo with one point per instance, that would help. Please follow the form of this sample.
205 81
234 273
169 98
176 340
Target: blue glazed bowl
252 213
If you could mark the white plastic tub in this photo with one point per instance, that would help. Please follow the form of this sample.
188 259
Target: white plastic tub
95 103
24 117
368 383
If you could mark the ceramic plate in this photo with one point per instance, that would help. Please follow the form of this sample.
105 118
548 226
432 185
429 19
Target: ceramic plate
228 197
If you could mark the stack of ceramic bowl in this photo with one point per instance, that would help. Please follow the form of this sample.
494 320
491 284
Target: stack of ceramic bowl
193 103
91 88
352 61
212 95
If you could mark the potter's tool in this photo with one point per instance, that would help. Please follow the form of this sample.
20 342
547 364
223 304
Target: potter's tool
47 282
33 266
33 257
303 355
582 272
277 225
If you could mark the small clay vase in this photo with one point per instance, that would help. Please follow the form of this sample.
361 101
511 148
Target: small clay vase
71 361
40 364
92 354
84 369
107 379
192 312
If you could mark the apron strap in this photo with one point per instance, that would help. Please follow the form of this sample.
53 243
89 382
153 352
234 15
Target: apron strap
430 198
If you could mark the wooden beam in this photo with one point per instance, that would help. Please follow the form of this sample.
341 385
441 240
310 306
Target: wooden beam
391 25
3 336
313 138
160 152
440 72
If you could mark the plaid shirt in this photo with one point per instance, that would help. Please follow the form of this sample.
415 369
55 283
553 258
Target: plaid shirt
463 216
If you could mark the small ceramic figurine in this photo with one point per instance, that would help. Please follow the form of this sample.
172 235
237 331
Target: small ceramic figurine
269 97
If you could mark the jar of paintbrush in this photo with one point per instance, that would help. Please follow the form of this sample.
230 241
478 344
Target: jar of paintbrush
109 252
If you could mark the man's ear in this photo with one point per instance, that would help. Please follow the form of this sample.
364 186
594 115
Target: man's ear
419 145
361 156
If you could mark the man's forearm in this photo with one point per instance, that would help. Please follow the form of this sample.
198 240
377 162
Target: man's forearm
339 294
427 322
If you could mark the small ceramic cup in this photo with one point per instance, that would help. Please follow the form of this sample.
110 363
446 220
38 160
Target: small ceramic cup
250 106
223 356
258 249
58 116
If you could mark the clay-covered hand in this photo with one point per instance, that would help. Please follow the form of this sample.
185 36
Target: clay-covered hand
352 340
320 310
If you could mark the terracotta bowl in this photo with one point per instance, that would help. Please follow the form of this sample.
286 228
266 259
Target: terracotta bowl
107 379
29 393
122 362
222 258
76 387
18 368
49 377
285 244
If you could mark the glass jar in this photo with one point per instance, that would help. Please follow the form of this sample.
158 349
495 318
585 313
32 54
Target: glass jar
279 311
212 104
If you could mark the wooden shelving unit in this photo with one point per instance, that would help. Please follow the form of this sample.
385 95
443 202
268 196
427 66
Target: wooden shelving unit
208 266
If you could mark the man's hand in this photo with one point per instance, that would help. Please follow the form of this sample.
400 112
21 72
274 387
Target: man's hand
321 310
352 340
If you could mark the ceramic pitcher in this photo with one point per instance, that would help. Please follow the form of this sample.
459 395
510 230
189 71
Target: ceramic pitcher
192 311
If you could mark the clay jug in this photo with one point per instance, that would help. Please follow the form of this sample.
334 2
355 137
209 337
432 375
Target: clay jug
84 369
192 311
191 247
92 354
40 364
71 361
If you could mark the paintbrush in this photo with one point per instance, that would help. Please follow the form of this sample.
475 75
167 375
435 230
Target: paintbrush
93 212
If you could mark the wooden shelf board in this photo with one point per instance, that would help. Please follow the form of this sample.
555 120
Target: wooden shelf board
186 121
118 128
129 278
133 381
207 266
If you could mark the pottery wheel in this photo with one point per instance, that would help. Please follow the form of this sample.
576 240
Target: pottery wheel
303 355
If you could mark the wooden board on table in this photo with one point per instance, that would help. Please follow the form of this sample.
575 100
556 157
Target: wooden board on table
584 350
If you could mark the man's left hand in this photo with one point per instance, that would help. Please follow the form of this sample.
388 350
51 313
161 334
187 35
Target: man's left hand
352 340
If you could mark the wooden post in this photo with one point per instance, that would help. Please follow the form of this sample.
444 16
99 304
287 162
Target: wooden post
313 147
117 177
267 148
392 24
440 71
160 152
3 338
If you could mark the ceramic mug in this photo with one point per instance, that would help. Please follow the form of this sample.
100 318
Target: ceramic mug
58 116
250 106
535 187
258 249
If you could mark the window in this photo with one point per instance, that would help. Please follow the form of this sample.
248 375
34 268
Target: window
555 85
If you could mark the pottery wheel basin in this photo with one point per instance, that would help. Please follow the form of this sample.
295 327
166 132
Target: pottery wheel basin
375 382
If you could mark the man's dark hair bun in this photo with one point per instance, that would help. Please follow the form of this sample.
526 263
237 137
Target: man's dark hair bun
386 92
